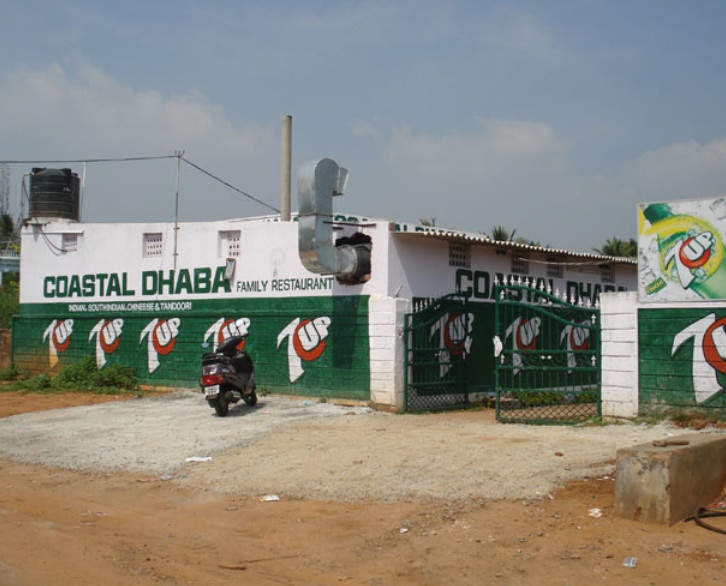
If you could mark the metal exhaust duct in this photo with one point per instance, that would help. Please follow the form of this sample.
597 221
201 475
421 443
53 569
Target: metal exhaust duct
318 182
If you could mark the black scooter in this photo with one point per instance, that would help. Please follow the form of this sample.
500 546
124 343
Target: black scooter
228 375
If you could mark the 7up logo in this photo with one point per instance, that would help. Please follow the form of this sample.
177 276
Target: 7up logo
306 341
524 333
709 354
225 328
160 337
454 332
577 339
688 256
108 336
58 334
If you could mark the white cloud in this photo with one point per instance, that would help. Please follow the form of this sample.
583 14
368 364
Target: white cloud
56 114
680 170
100 112
515 173
363 129
518 31
493 149
512 172
520 174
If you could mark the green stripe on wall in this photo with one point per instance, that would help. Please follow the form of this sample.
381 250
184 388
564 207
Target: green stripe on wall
342 368
672 362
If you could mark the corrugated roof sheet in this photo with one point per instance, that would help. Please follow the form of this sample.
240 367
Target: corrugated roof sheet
406 230
483 239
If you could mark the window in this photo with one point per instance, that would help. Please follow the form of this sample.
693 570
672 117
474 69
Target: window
459 255
607 275
520 266
69 242
229 243
153 242
554 269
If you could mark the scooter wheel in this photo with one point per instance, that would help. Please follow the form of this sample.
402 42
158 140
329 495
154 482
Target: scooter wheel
251 399
221 406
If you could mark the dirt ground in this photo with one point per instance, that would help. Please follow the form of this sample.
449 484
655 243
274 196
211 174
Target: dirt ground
63 527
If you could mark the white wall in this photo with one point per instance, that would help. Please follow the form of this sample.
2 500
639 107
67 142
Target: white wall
268 252
419 267
619 321
387 350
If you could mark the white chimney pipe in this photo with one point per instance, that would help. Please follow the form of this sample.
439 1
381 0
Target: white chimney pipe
285 166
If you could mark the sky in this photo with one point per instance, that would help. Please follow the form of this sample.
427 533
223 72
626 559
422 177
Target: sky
554 118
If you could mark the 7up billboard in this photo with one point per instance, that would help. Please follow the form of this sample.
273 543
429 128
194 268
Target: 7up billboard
682 358
681 250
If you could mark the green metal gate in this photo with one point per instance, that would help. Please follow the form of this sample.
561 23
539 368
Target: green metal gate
547 367
438 343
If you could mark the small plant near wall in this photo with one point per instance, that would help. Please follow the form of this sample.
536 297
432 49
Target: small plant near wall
81 376
12 373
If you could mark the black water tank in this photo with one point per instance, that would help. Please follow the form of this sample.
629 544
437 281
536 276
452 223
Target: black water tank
54 193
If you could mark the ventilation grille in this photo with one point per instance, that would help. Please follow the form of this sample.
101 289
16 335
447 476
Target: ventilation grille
229 243
459 255
153 244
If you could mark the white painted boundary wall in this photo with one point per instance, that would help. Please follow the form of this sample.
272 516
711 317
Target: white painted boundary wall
619 323
387 350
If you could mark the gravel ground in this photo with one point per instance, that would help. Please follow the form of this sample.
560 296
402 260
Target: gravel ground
305 449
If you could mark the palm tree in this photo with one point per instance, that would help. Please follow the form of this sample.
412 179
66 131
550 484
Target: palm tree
616 247
431 222
501 234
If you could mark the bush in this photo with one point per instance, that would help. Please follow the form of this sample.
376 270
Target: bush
587 396
116 376
41 382
78 375
538 398
81 376
13 373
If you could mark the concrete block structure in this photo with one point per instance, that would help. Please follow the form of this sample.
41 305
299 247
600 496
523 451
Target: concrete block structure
669 481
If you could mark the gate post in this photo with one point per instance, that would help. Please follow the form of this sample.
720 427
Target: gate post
387 351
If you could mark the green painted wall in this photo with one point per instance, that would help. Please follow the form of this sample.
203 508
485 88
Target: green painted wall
682 359
315 346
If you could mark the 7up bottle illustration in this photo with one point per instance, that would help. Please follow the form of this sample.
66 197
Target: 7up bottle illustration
690 253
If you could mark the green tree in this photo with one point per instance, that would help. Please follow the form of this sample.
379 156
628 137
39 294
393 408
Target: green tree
431 222
502 234
9 302
617 247
7 227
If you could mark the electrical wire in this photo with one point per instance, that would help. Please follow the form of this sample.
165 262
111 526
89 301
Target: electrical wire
60 250
225 183
96 160
716 509
179 155
704 513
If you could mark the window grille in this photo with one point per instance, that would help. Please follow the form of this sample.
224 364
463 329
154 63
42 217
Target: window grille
229 243
554 270
459 255
153 243
607 275
69 242
520 266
